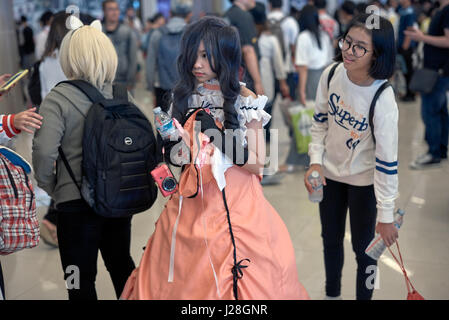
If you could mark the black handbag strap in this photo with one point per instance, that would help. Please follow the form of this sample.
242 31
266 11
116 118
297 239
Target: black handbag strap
379 91
67 166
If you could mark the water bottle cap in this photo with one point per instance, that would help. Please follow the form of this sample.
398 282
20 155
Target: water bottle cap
157 110
315 174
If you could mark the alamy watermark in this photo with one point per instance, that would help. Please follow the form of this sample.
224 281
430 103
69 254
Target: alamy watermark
373 280
234 148
373 21
72 281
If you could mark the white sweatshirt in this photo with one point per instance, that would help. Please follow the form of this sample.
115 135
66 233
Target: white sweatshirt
7 129
342 140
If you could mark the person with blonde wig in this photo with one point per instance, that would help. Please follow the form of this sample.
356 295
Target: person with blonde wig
86 54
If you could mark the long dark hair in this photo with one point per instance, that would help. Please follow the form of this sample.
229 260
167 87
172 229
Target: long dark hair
384 47
309 20
222 46
57 32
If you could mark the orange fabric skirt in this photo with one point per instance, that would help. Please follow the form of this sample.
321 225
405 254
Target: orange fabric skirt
191 256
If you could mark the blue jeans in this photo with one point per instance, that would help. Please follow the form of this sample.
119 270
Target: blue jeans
435 117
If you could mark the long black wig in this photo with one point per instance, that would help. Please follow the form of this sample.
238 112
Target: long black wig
222 46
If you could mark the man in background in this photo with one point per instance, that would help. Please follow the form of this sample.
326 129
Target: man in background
26 44
239 17
125 43
163 50
290 31
406 47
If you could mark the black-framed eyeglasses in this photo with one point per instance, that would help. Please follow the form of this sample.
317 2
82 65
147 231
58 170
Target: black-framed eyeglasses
357 50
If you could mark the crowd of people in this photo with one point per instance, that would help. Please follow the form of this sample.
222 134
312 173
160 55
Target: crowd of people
229 73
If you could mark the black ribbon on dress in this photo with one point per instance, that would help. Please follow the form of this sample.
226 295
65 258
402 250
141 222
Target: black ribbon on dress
237 272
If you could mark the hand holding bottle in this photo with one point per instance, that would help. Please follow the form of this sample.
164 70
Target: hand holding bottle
388 232
313 167
164 125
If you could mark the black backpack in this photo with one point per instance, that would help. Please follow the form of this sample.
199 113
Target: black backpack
119 153
167 55
34 85
384 86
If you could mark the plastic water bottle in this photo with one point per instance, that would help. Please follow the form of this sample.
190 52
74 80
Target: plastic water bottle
317 186
164 125
377 246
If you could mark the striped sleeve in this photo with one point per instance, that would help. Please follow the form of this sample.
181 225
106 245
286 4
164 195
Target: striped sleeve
320 117
386 172
7 129
390 168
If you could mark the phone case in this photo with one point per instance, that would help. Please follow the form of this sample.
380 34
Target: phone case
14 79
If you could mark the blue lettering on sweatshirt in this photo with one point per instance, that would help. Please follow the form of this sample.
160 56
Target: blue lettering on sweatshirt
343 117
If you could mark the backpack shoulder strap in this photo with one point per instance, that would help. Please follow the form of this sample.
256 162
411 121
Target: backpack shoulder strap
89 90
379 91
120 92
331 73
67 166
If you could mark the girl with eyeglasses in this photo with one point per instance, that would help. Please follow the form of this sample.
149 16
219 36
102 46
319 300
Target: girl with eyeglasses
357 173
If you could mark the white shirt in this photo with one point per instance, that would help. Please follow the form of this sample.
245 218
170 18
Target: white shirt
309 54
342 139
290 30
41 41
271 63
50 73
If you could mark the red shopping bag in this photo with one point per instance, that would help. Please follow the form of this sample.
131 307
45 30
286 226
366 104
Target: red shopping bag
412 293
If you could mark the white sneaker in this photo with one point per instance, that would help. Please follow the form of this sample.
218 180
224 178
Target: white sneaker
424 161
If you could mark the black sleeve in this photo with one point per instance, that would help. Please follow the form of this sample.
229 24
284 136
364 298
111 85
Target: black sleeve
445 18
168 146
29 39
445 25
246 28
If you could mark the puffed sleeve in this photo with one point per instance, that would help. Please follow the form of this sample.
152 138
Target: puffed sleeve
250 108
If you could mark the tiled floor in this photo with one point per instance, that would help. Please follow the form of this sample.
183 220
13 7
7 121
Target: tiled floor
424 236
